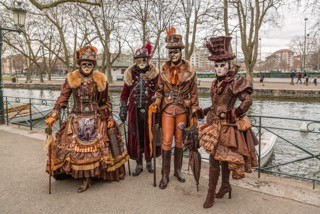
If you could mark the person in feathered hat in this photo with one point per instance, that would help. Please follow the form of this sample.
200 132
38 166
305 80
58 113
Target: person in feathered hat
88 144
176 99
140 81
227 134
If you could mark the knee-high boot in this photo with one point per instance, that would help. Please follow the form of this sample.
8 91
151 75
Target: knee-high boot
166 162
178 155
214 172
225 185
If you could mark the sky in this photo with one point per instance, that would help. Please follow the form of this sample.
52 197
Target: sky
274 39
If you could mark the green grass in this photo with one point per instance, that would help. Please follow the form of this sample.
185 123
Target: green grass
6 78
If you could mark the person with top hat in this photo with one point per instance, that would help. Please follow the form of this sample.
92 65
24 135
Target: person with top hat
176 99
140 81
88 145
227 134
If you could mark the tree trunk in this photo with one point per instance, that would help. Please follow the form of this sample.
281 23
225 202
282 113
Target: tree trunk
49 74
40 72
109 76
249 73
28 78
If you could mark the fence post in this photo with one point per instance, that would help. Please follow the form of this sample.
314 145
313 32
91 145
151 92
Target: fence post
259 168
30 113
7 111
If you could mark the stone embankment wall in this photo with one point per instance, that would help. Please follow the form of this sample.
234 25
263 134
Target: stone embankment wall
268 93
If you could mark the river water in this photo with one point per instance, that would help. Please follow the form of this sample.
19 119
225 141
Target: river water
284 151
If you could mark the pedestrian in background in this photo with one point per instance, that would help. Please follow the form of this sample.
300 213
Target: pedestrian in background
315 81
307 79
261 77
292 74
299 78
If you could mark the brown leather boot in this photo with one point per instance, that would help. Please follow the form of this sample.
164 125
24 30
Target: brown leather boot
225 185
166 161
178 152
214 172
85 185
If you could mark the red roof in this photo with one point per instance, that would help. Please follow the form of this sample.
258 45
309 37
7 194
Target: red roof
283 51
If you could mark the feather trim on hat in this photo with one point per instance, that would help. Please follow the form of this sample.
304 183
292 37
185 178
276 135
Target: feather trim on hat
171 31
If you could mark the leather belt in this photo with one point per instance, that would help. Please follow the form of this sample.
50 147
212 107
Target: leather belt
176 96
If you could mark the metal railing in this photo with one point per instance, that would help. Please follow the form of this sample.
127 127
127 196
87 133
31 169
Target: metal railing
293 149
28 112
297 146
17 111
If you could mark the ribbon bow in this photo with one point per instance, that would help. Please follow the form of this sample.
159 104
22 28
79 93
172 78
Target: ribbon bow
174 78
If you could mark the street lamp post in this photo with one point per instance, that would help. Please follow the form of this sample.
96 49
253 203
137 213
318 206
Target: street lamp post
19 17
260 54
305 44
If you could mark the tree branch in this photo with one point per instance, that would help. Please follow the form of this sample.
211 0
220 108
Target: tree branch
56 3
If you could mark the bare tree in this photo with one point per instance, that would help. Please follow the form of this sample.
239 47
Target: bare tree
138 13
193 14
251 15
297 46
110 32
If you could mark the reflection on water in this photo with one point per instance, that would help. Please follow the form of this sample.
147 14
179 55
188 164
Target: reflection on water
283 151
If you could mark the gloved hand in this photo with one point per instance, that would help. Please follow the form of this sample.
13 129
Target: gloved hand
231 117
193 121
110 123
153 108
50 121
198 113
123 112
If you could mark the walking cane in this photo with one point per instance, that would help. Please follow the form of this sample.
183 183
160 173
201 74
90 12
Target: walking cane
125 137
154 153
48 131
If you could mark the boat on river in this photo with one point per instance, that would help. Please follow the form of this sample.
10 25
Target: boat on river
268 141
15 107
24 115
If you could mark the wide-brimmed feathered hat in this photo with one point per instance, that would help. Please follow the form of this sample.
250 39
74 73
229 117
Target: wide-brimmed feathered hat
173 40
87 53
219 49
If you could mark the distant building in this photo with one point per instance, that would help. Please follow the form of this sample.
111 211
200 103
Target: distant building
283 59
199 59
14 64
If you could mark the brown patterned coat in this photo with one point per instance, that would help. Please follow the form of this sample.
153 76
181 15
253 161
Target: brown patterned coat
82 147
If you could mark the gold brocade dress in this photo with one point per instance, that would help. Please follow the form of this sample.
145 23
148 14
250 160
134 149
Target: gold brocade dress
82 147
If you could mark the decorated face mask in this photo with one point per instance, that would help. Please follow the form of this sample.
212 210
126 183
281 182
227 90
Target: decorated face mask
221 68
142 63
175 55
86 67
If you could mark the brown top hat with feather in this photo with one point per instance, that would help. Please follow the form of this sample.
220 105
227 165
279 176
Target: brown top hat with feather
87 53
173 40
219 49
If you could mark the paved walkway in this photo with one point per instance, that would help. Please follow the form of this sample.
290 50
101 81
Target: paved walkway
24 184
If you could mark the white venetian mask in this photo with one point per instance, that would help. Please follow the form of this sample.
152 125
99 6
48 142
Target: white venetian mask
221 68
142 63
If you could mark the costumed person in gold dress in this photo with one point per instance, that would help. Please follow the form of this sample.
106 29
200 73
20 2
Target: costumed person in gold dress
88 144
227 134
176 99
